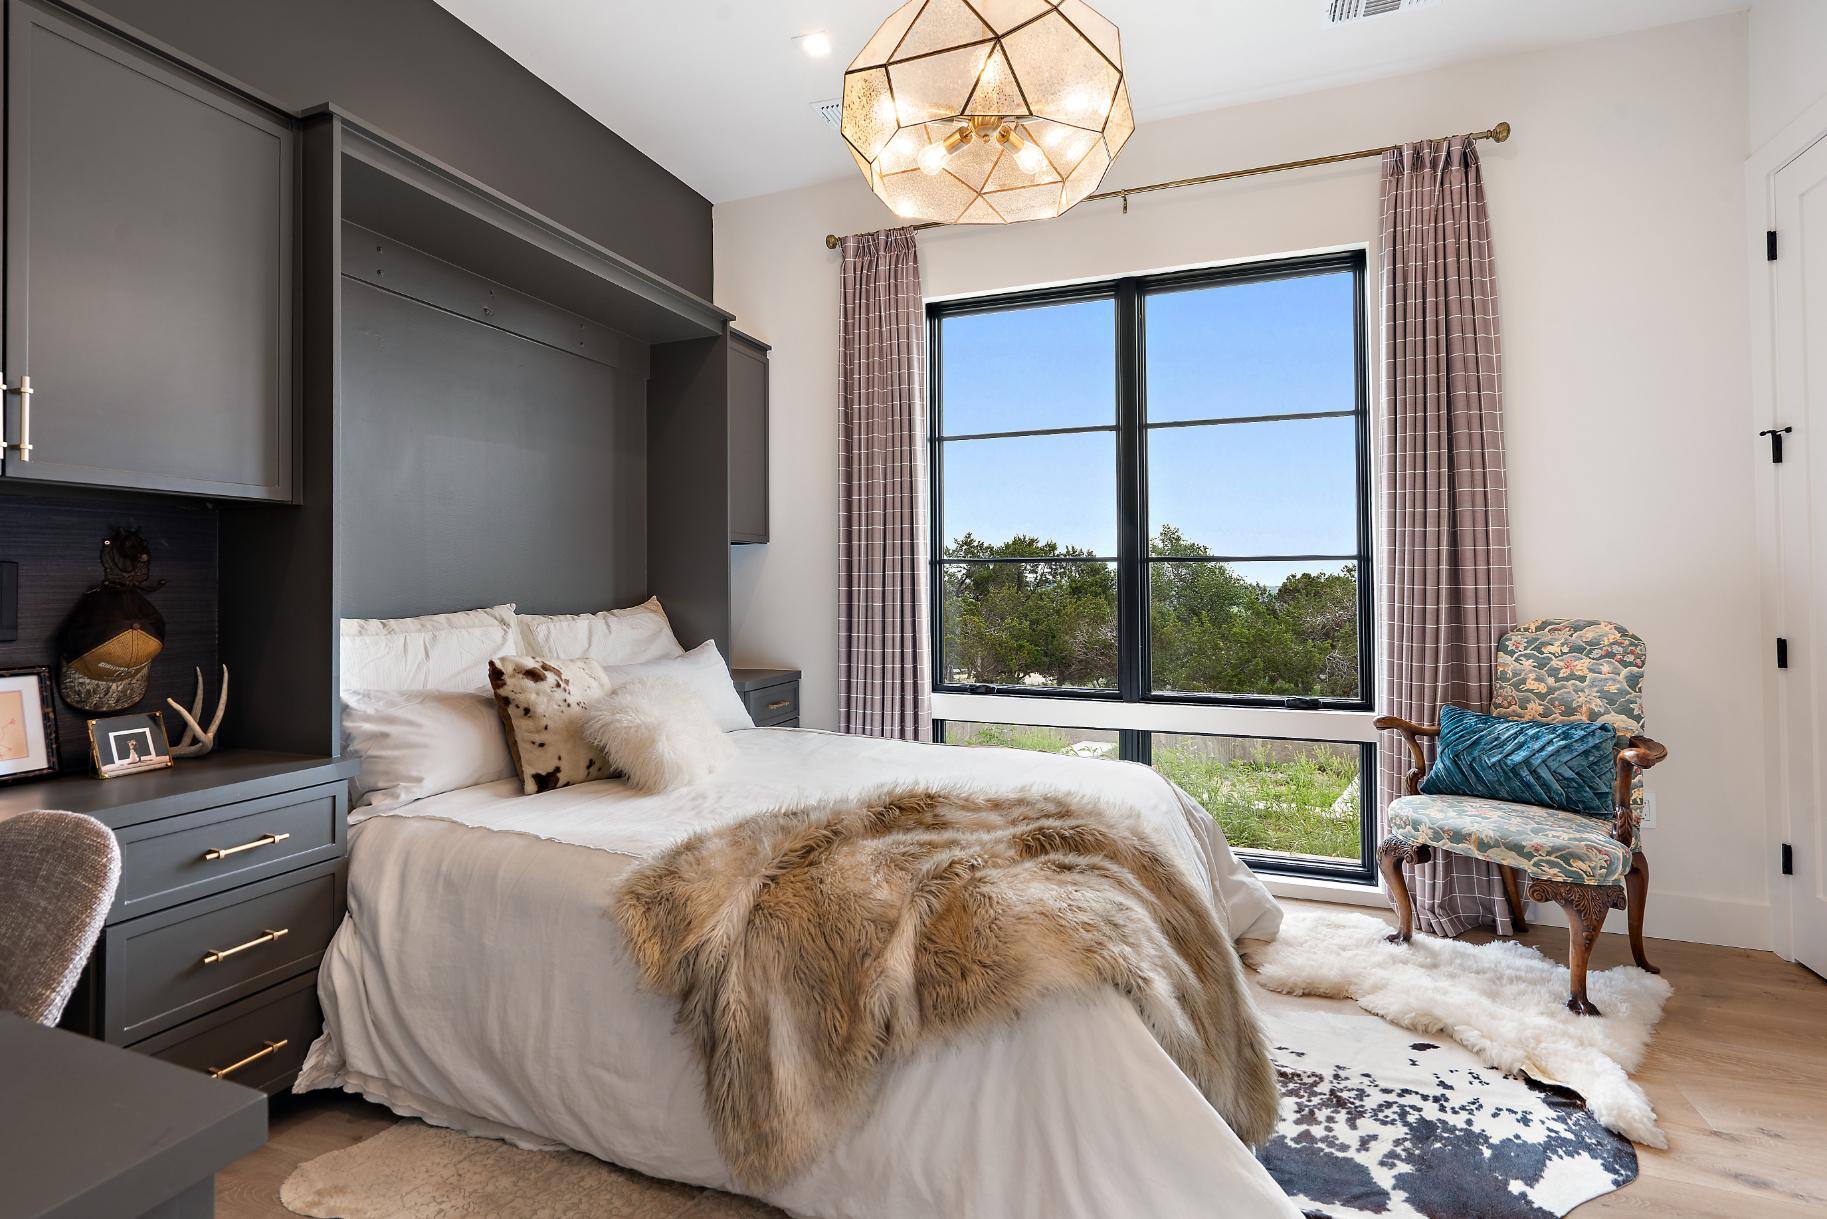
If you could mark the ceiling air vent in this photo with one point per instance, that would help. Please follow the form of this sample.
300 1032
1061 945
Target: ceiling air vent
1342 11
832 111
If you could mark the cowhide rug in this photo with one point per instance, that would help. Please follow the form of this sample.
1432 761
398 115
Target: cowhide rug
1376 1122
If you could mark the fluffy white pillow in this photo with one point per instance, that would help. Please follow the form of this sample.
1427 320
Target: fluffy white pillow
701 671
417 743
430 652
613 637
656 731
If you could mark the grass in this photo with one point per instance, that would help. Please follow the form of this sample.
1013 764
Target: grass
1275 797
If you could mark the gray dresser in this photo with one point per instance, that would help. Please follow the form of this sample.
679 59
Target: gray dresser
771 695
232 874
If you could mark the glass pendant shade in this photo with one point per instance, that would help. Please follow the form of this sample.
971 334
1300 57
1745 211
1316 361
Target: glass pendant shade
987 111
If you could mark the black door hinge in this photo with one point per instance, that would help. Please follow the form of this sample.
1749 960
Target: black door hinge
1770 245
1782 652
1776 435
1788 860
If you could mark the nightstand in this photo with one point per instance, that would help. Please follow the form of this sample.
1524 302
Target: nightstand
232 871
772 695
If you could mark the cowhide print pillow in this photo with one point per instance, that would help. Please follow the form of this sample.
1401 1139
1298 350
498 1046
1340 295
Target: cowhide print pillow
543 705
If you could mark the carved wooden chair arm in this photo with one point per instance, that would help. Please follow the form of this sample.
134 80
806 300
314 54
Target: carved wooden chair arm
1639 754
1412 733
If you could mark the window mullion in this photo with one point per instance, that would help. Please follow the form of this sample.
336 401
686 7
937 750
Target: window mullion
1132 520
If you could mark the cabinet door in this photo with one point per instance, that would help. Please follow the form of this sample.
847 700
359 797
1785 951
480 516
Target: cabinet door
149 264
748 439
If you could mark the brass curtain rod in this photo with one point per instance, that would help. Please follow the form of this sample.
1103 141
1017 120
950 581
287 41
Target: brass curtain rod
1497 135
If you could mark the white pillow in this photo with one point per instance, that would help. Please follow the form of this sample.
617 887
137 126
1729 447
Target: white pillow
657 732
430 652
613 637
417 743
701 671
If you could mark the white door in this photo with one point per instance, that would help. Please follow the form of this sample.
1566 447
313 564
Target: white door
1800 339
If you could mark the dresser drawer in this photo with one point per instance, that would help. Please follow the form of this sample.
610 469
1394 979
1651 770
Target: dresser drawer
170 966
773 706
260 1041
178 859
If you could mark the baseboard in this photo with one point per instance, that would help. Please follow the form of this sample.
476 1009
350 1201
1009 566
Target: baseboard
1682 916
1670 916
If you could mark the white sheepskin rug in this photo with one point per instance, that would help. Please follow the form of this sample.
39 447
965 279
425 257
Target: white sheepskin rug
1503 1001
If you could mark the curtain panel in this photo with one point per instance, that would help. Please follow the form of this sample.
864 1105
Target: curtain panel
883 639
1447 589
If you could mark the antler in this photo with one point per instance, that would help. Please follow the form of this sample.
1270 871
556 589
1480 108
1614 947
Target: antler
197 740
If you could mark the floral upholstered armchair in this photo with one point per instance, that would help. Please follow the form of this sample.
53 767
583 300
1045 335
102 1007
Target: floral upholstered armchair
1560 671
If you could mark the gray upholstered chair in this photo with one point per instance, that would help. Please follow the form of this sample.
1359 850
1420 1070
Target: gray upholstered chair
58 872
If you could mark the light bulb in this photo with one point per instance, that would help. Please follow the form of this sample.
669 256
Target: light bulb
1031 158
932 158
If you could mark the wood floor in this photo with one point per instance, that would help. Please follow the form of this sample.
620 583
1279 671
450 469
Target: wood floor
1737 1073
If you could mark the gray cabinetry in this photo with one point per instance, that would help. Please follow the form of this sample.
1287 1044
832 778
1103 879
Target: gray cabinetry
232 884
149 264
748 438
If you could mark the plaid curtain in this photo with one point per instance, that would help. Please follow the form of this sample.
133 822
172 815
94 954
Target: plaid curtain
882 686
1447 589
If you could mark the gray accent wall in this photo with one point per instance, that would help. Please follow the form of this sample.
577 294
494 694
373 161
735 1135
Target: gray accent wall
415 71
477 466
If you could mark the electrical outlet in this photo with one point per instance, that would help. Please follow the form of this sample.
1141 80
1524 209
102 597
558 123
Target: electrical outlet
1649 811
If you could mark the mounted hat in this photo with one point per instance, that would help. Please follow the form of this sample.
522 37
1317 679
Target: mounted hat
108 642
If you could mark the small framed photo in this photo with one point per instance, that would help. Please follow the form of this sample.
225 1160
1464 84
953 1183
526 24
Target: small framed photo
128 744
28 725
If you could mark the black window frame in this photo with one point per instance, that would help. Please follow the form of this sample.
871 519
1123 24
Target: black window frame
1132 429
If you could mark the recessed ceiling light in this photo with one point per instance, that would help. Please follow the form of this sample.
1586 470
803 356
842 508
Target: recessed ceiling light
817 44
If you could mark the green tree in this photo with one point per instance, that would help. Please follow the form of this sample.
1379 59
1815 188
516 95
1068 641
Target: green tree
1050 621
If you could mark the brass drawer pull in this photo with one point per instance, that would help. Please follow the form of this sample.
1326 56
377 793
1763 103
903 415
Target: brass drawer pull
272 1047
775 706
265 840
223 954
24 443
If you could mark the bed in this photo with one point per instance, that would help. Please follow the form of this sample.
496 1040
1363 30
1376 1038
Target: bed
479 982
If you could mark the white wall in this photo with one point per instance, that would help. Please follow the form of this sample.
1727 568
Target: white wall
1788 56
1618 213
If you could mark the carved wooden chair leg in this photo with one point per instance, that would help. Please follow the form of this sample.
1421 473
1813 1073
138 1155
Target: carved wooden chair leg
1586 906
1512 894
1636 893
1390 857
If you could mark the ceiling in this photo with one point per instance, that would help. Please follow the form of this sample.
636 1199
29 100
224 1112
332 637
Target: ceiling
719 92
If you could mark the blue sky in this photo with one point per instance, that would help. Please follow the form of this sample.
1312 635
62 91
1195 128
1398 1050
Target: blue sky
1280 347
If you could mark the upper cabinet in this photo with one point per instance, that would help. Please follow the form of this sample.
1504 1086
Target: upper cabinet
748 438
149 265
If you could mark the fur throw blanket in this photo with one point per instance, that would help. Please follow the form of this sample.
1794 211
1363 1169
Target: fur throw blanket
810 947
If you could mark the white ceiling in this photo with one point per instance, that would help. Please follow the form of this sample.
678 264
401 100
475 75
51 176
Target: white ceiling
719 92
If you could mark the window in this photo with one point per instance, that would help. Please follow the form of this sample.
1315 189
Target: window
1155 490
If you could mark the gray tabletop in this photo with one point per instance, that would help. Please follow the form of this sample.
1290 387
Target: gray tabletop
93 1131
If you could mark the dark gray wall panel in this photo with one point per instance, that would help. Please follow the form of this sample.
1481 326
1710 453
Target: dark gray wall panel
421 75
478 467
688 537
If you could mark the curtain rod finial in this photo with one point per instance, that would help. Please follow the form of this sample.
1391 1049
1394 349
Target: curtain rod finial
832 240
1501 132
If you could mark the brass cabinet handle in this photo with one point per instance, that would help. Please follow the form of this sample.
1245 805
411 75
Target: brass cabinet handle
271 1048
223 954
265 840
775 706
24 443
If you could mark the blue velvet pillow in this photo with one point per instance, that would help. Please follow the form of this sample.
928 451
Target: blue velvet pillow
1564 766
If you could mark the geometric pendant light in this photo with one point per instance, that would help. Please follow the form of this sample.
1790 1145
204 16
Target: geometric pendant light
987 111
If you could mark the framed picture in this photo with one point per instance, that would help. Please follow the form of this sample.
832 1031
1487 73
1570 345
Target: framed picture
28 725
128 744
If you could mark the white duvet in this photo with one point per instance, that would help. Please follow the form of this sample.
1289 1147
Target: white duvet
480 983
